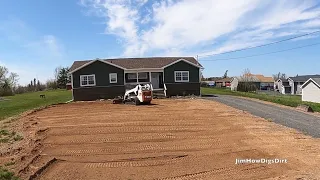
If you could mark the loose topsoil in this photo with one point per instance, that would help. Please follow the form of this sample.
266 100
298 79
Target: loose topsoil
172 139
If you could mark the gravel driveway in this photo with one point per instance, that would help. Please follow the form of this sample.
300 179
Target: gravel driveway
305 123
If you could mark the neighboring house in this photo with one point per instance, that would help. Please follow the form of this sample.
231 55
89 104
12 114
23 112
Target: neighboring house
109 78
297 82
209 83
260 81
69 86
266 83
282 86
311 90
225 82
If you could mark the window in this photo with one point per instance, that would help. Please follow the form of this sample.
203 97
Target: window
143 75
132 75
87 80
181 76
113 78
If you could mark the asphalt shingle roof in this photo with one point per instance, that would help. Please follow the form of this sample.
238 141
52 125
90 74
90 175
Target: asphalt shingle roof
317 80
304 78
136 63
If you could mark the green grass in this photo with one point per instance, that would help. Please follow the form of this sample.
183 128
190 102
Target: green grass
287 100
5 174
17 138
14 105
9 163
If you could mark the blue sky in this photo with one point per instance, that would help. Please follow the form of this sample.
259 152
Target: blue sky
37 36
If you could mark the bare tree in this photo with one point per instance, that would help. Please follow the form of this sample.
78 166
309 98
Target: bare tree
279 76
247 82
3 72
247 76
57 72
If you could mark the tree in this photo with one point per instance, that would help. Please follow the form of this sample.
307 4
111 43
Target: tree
225 74
7 83
247 82
34 83
62 78
57 72
51 84
279 76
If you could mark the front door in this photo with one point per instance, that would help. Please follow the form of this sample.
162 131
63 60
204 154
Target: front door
155 80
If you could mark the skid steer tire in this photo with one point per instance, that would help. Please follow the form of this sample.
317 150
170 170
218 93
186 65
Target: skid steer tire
137 102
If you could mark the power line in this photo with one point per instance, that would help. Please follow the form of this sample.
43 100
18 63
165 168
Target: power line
252 47
274 52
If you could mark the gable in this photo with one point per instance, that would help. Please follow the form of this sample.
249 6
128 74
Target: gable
194 71
138 63
101 71
84 64
315 81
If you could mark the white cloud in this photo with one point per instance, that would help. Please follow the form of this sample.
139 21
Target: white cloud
182 26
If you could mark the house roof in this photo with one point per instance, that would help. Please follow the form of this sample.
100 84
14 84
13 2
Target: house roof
283 80
247 78
265 79
255 78
304 78
224 80
138 63
314 80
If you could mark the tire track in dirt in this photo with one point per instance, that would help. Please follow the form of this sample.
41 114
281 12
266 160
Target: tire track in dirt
132 123
137 163
99 130
151 138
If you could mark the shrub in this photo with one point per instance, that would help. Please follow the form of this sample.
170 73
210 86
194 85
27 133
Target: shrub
203 84
247 87
5 174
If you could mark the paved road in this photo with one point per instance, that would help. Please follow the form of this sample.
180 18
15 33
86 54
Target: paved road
305 123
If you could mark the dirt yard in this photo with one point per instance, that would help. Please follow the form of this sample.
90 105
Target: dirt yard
173 139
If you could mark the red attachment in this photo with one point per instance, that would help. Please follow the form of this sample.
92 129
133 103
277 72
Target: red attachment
146 96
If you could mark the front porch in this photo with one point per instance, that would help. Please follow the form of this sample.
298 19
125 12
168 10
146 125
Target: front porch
153 77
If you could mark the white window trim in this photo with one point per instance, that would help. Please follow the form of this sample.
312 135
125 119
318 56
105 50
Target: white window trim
94 80
175 77
113 74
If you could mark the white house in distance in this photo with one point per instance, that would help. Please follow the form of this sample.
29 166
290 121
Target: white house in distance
311 90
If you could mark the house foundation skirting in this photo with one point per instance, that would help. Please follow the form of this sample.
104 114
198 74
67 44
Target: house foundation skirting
94 93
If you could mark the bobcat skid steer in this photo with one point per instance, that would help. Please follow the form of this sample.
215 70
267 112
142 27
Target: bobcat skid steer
138 95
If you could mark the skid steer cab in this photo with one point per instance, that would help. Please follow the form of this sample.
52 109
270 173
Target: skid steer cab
139 95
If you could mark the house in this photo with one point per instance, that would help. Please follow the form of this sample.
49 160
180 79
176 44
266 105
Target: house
261 82
225 82
297 82
109 78
311 90
209 83
266 83
282 85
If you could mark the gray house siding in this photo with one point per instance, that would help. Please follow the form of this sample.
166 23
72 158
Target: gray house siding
103 89
181 66
101 71
182 88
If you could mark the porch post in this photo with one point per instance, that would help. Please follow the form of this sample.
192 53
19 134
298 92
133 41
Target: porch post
137 78
150 77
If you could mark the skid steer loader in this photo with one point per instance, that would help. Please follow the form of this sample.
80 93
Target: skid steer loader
138 95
